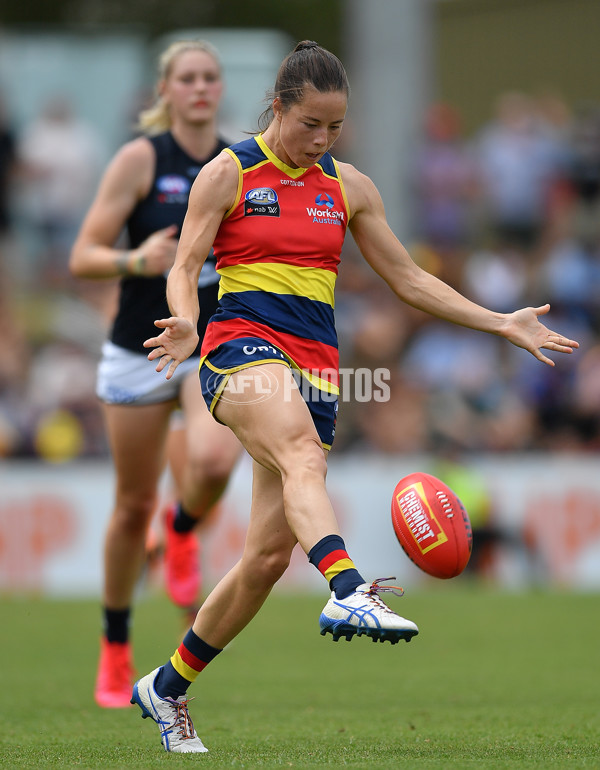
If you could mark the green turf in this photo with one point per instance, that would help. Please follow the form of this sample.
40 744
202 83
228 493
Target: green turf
494 680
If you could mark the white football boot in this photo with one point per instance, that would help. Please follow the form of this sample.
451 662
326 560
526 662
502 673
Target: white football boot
363 612
172 717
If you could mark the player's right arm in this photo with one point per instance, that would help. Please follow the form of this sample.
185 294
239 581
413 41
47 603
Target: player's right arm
213 193
126 181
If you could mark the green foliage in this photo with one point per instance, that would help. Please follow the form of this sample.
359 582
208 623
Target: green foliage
494 680
301 19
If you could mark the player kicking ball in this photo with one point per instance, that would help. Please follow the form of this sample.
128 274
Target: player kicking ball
275 208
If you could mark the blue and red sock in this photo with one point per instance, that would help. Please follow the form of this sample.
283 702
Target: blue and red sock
330 557
188 660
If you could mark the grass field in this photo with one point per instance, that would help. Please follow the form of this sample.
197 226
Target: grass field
494 680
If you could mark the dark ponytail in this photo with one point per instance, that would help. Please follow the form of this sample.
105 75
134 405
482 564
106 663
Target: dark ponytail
307 65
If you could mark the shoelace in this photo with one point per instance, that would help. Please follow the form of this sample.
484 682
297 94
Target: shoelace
183 722
376 588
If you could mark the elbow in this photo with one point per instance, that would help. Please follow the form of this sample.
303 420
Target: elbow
76 267
80 261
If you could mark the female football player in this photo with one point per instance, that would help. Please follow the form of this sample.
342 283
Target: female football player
276 207
145 190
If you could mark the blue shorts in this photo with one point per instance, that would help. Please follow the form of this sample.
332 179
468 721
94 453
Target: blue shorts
246 352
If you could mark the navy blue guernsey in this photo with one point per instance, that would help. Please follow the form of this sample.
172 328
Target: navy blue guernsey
143 300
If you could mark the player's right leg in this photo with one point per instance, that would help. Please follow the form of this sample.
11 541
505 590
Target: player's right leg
137 438
280 433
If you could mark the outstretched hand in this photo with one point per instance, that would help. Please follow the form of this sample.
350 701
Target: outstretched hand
524 329
172 346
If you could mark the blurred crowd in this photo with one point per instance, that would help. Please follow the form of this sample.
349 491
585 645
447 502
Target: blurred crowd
509 216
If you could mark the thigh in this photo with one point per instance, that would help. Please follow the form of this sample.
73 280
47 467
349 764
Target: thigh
208 442
273 429
241 371
137 436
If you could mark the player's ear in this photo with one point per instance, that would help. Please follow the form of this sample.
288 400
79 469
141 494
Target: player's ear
277 108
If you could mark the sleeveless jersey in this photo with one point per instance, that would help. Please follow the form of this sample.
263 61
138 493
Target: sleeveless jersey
277 251
143 299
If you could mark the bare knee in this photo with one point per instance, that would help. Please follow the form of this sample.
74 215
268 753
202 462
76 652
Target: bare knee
132 514
265 568
213 468
274 565
307 465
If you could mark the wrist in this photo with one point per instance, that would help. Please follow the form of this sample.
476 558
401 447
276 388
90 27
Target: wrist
130 262
137 262
499 324
122 262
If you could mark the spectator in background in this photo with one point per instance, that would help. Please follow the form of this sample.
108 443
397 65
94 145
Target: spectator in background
8 164
13 378
518 161
60 162
7 168
445 181
579 206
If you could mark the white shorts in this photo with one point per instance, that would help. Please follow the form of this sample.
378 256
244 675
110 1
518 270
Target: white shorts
125 377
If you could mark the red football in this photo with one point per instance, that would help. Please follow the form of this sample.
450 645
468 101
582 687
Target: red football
431 525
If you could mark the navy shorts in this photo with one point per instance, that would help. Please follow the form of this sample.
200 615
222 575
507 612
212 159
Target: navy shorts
245 352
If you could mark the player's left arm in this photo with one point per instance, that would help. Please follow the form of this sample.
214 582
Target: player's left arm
388 257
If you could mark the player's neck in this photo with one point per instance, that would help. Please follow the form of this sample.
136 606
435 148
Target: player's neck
198 141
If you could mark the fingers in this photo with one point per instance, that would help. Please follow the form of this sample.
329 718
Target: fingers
161 353
558 348
172 367
558 339
152 342
164 323
541 357
164 360
166 232
562 344
557 343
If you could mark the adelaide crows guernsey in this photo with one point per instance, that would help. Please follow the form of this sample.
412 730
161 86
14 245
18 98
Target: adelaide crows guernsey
277 251
143 299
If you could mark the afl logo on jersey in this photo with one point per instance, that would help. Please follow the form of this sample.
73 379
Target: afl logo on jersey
261 202
173 188
172 184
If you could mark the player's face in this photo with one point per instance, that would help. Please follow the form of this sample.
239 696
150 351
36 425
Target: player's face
309 128
193 87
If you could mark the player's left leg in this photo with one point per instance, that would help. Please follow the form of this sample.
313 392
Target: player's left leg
229 608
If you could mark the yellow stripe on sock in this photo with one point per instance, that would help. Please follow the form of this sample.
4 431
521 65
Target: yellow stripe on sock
337 567
182 668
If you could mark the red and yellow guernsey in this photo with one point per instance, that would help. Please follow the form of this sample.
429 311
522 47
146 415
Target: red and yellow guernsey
277 253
